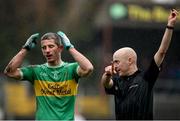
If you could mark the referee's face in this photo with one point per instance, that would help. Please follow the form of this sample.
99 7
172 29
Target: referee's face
121 65
124 61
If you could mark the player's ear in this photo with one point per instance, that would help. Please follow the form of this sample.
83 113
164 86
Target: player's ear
61 47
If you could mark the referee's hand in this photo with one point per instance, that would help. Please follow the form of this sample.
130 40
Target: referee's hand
172 17
109 70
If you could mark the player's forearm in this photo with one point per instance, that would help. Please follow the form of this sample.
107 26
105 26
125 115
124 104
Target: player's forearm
16 62
84 63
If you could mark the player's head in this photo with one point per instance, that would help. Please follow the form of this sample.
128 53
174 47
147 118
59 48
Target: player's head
53 36
51 47
125 61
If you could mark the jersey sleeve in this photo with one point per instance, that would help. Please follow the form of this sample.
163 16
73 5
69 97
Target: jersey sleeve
74 66
151 74
27 73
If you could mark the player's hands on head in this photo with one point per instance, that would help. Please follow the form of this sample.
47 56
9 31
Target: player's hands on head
65 41
31 42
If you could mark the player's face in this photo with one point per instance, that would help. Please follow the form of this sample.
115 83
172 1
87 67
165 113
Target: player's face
51 51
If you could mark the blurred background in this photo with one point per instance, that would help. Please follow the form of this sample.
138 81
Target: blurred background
97 28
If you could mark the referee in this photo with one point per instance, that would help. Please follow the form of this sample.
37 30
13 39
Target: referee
132 88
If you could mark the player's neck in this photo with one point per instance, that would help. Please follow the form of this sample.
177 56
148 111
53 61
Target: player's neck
55 63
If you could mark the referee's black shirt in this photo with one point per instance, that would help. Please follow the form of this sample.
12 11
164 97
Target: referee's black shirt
133 94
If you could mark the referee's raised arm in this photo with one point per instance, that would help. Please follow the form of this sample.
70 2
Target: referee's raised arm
166 40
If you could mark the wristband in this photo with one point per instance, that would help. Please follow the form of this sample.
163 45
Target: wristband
169 27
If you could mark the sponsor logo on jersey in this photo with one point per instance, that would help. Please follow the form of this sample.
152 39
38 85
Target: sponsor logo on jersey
65 88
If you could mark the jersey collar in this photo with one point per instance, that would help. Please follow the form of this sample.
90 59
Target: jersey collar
60 65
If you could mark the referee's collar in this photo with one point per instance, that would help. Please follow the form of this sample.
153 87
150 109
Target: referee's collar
130 76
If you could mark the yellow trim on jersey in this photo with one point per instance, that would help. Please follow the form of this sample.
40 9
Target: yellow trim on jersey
47 88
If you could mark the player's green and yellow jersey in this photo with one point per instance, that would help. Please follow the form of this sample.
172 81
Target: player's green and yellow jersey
55 89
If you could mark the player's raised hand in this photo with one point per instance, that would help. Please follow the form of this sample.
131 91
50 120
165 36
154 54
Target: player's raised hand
31 42
66 42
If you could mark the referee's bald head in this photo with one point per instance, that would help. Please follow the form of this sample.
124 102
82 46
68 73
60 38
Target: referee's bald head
125 53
